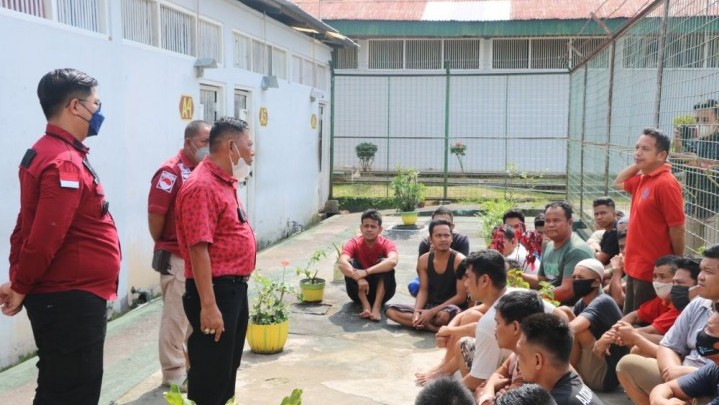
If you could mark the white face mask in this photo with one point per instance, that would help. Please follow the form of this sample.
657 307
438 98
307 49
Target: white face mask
662 289
705 130
241 169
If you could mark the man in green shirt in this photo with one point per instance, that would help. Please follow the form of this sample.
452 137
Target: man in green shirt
561 254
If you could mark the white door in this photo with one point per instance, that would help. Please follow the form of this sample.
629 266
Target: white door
210 103
242 111
323 155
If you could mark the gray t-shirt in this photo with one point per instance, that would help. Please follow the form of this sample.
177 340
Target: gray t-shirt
682 336
558 264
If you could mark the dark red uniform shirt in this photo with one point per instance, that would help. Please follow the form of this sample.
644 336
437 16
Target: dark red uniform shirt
208 210
65 238
165 184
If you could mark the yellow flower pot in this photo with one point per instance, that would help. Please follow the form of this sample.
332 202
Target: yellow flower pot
409 217
267 339
312 292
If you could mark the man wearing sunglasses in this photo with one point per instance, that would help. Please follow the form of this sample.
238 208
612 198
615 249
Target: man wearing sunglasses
219 249
64 251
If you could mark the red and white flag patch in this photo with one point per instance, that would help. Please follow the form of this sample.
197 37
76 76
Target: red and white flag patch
166 181
69 180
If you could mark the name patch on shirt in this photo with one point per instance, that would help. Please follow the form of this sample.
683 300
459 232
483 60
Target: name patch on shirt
69 180
166 181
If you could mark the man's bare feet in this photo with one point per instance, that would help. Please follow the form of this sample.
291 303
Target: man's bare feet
375 316
424 378
365 314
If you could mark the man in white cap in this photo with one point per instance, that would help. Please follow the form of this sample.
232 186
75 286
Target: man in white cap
593 315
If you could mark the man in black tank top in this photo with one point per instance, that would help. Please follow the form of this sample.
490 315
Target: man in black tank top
441 293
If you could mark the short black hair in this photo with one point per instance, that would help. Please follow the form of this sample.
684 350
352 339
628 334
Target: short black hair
60 86
436 222
517 305
667 260
690 264
539 220
622 234
527 394
550 333
442 210
604 201
507 231
491 263
372 214
445 390
708 104
513 214
194 127
224 127
564 205
461 269
712 252
661 139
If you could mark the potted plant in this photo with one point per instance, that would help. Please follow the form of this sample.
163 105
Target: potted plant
365 152
313 287
408 191
269 314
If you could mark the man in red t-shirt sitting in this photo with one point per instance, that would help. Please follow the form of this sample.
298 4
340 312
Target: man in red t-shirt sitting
368 263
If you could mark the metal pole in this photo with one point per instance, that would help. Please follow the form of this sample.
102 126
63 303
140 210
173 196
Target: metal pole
332 127
581 154
389 104
506 135
446 129
660 63
609 116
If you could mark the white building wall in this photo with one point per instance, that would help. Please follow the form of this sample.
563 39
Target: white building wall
141 86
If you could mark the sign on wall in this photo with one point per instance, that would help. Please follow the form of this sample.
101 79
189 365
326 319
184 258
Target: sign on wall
263 116
187 107
313 121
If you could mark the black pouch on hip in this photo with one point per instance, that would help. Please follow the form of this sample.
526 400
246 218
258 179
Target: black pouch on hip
161 261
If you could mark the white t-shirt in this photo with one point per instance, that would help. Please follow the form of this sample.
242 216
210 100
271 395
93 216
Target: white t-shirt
519 254
487 354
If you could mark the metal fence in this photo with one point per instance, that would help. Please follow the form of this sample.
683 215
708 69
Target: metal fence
660 70
512 126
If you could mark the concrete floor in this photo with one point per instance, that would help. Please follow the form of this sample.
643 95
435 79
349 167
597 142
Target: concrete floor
332 354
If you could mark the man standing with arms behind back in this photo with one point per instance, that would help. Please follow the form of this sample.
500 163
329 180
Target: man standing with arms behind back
219 249
166 258
657 212
64 251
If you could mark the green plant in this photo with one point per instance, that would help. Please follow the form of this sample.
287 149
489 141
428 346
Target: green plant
682 120
459 149
174 397
546 290
269 306
491 217
293 399
317 255
526 180
408 191
365 152
514 279
338 249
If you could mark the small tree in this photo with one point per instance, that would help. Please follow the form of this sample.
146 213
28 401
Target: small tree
408 191
365 152
459 149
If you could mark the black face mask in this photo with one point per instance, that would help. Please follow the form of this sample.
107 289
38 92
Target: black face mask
582 287
705 344
680 296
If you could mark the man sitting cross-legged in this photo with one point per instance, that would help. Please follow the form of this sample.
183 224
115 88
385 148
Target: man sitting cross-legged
368 263
512 308
594 314
441 293
543 353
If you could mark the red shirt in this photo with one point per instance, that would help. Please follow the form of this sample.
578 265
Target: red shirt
657 204
665 321
652 309
356 248
65 238
208 210
163 190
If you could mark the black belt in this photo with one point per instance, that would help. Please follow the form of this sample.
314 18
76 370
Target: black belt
233 279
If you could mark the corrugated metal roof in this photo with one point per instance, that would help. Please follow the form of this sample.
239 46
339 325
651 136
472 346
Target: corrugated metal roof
468 10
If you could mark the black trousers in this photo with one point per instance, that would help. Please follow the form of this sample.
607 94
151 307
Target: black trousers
390 285
69 329
214 365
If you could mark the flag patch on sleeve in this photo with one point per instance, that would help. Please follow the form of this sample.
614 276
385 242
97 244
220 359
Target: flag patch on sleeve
69 180
166 181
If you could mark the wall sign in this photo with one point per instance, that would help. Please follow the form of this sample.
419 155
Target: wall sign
263 116
313 121
187 107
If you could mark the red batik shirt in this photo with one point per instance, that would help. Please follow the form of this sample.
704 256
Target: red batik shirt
65 238
163 190
208 210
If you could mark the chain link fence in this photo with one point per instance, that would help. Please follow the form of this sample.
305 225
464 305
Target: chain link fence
660 70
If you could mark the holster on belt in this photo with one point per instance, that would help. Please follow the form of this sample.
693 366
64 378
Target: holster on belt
161 261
